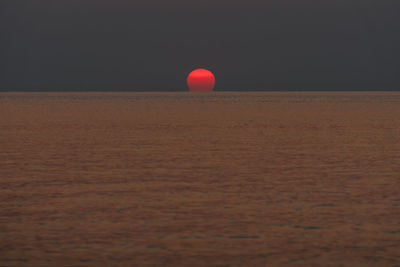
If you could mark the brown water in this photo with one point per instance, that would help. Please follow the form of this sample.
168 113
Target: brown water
108 179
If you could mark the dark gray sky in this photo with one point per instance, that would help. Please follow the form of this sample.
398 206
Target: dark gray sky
152 45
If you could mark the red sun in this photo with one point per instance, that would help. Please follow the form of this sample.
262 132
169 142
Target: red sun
201 80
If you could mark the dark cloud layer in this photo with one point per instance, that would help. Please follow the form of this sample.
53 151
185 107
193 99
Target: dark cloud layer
152 45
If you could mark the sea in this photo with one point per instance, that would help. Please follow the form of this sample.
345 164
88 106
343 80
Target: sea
200 179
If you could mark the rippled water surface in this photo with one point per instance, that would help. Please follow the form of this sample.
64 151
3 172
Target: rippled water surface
107 179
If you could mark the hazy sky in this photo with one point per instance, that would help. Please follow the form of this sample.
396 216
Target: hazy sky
151 45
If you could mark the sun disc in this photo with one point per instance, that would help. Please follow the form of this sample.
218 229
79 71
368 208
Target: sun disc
201 80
